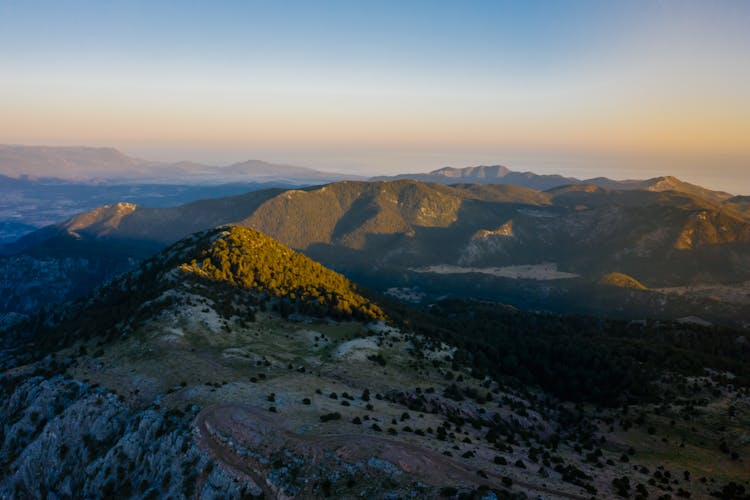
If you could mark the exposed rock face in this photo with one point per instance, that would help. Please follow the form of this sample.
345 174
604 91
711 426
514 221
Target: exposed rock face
65 438
711 228
485 243
474 172
102 220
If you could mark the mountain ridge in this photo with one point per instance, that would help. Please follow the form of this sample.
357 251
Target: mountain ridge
484 174
101 164
416 224
109 165
500 174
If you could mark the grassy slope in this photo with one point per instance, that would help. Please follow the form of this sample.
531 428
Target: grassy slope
189 354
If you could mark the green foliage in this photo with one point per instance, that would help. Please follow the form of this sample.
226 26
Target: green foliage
247 258
576 358
330 416
377 358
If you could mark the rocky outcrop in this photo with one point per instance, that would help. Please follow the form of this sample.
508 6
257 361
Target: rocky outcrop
61 437
486 244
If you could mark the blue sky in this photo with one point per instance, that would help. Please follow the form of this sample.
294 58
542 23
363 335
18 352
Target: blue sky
626 87
426 37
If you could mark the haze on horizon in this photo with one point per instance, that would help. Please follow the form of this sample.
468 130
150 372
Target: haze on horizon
628 89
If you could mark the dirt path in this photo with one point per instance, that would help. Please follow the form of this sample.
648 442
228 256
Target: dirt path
244 467
221 428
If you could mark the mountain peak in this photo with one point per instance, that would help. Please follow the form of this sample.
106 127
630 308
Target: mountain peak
248 259
480 171
101 220
484 174
663 183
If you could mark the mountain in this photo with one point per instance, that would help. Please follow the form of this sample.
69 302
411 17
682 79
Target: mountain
740 203
228 259
498 174
47 185
228 366
658 184
72 163
108 165
346 214
261 171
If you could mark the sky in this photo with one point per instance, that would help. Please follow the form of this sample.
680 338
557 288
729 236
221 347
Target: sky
585 88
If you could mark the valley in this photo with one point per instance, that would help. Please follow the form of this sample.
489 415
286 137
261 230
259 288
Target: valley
538 272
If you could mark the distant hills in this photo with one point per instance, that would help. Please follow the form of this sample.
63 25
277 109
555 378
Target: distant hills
622 281
103 165
498 174
108 165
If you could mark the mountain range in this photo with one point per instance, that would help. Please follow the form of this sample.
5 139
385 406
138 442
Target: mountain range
108 165
660 236
535 249
498 174
478 232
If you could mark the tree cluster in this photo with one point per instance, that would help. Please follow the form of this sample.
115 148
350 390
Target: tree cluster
248 259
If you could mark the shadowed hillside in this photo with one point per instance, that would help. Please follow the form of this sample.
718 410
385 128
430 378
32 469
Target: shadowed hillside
407 233
664 237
